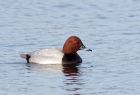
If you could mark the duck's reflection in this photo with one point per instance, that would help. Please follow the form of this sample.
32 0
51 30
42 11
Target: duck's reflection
44 69
71 71
72 83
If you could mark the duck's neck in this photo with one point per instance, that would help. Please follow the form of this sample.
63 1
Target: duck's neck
71 54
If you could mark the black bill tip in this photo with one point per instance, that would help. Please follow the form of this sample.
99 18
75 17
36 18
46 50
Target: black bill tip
88 50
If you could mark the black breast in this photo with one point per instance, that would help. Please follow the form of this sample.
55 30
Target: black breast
71 60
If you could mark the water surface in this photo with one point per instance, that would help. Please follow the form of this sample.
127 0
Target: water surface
110 28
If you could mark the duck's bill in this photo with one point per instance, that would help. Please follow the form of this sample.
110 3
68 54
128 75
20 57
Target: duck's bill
84 48
87 49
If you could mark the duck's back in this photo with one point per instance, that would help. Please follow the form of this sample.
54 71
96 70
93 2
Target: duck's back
46 56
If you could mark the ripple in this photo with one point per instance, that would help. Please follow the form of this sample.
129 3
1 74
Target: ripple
110 28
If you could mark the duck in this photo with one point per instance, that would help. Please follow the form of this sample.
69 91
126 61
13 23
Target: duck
66 56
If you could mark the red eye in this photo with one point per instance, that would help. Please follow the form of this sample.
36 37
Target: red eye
78 43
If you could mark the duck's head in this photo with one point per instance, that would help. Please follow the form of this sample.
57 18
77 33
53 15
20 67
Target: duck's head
73 44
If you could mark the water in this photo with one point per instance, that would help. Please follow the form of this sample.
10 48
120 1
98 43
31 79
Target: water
110 28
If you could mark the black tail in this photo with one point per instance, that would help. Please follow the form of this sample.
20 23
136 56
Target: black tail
25 56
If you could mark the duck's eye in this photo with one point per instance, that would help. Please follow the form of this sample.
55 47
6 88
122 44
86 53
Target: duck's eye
78 42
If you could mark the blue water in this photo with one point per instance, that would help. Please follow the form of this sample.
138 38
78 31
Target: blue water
110 28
